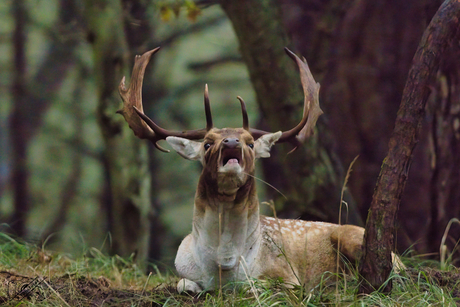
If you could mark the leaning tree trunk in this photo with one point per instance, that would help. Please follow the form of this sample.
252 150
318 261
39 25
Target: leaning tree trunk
126 156
311 177
376 262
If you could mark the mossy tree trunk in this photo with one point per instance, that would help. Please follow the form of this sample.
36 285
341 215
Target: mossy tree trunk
311 177
376 264
125 156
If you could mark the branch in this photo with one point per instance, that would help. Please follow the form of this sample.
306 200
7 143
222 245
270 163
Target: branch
206 65
194 28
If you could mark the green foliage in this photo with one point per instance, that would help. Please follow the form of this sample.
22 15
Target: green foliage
94 278
170 8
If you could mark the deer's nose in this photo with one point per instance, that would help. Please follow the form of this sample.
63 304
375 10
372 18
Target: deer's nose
231 143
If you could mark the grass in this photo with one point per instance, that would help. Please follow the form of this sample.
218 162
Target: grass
32 276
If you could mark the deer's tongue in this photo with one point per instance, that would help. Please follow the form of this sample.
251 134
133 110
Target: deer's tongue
232 161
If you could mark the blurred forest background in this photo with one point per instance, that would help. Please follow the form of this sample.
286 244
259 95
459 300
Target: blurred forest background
73 176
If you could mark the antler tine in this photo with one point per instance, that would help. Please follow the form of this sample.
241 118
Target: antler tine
207 109
245 114
162 133
311 110
133 113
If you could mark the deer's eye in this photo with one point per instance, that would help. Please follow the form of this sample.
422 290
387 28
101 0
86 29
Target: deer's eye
251 145
206 146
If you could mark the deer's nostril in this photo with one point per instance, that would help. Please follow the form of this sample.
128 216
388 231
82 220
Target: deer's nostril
231 142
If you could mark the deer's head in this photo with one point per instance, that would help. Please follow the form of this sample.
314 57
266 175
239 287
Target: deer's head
228 155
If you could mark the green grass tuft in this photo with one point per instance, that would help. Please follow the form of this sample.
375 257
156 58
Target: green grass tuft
32 276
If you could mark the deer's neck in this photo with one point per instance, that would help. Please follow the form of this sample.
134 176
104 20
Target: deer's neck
226 227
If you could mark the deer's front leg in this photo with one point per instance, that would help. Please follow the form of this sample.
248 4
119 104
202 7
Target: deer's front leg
187 268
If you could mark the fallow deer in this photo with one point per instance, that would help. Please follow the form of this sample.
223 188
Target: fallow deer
230 241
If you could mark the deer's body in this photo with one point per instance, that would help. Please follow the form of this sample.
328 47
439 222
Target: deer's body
297 251
230 241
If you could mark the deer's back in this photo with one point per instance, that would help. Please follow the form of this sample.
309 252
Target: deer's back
300 251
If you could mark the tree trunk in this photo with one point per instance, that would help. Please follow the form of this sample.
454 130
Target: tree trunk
140 36
18 127
376 262
311 177
444 129
125 155
374 46
33 97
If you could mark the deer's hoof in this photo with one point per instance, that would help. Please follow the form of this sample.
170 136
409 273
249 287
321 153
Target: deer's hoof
186 285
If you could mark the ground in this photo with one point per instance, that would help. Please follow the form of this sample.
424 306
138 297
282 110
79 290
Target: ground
31 276
70 290
75 291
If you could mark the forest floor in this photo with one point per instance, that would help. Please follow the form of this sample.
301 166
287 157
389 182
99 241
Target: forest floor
33 277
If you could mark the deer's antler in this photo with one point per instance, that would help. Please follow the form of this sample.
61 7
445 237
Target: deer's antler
311 109
244 113
133 112
145 128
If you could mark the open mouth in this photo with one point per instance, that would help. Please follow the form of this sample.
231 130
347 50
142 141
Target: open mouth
231 157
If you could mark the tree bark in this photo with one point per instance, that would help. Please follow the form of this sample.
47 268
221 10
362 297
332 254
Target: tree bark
125 156
311 177
376 262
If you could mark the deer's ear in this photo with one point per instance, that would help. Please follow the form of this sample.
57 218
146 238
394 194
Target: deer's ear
186 148
263 144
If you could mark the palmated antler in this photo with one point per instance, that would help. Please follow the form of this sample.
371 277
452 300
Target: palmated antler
133 112
311 109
